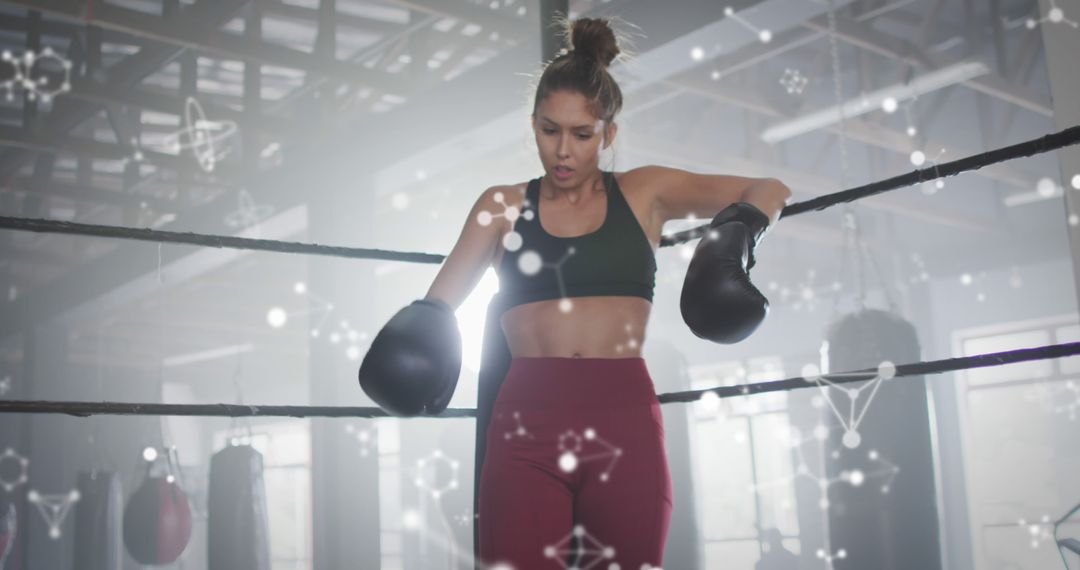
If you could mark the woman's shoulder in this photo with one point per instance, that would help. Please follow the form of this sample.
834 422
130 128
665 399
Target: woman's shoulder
637 182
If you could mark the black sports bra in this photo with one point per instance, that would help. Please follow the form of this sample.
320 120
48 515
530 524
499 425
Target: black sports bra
616 259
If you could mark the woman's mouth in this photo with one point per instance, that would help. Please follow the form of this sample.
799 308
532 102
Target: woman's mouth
562 172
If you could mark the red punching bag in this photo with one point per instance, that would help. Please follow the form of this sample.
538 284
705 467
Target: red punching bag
157 520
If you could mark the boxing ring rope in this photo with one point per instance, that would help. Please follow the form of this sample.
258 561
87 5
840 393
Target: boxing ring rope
916 369
1063 138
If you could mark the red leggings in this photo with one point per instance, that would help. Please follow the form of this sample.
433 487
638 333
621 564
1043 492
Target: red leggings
575 472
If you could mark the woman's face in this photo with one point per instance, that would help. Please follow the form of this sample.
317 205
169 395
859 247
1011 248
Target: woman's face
569 137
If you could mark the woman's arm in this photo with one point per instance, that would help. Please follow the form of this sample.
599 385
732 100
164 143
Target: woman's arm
473 252
679 194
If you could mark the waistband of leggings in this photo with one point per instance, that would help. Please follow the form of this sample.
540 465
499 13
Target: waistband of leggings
568 381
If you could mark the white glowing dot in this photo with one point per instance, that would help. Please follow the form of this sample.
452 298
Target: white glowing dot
300 288
568 462
729 11
352 353
512 241
1075 181
1045 187
765 36
811 372
276 317
484 218
170 479
856 478
886 370
400 201
918 158
710 401
421 175
697 54
715 75
1055 15
529 263
889 105
966 279
851 439
911 131
821 432
1074 219
565 305
512 213
411 519
149 454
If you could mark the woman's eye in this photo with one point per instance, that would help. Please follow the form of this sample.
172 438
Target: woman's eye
549 131
585 137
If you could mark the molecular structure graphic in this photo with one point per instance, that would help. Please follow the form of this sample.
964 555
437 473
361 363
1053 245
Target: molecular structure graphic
24 69
570 451
277 317
1040 532
529 262
804 293
54 508
882 469
363 437
793 81
631 342
1070 407
764 35
518 431
205 138
465 518
248 213
430 464
822 554
855 413
512 240
1055 16
589 553
22 466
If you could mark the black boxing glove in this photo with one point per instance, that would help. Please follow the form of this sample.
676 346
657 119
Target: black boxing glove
718 302
413 364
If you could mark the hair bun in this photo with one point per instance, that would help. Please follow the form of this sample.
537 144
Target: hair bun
593 38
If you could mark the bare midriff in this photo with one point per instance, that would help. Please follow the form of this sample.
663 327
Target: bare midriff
595 327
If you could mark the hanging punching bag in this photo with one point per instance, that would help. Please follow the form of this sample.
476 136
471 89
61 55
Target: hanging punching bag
8 520
157 522
98 516
886 516
237 527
